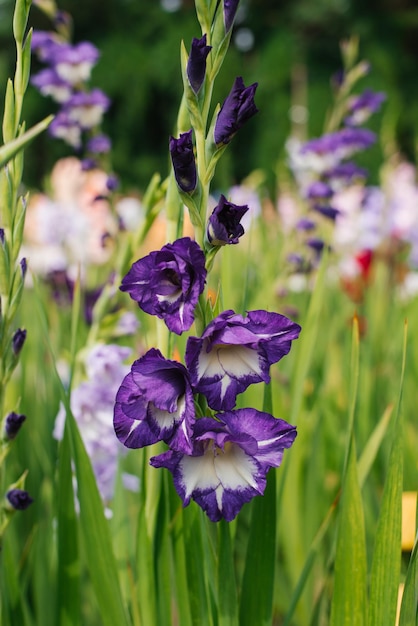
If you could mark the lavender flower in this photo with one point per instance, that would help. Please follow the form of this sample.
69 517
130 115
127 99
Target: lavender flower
230 460
154 403
168 283
337 146
224 225
182 158
196 65
18 499
234 352
13 424
237 108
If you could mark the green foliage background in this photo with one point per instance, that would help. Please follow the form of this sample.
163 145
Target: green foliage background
139 69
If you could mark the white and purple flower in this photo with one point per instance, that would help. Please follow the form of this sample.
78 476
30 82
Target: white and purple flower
235 352
154 403
167 283
230 460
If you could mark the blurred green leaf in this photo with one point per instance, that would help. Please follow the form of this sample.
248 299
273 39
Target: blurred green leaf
348 606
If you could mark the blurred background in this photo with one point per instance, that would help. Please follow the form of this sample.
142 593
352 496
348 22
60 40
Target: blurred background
290 47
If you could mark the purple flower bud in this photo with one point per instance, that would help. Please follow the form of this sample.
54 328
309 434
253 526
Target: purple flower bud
237 108
224 224
18 340
2 238
196 65
184 164
19 499
23 267
13 424
230 9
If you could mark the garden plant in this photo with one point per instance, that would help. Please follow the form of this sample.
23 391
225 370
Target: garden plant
207 394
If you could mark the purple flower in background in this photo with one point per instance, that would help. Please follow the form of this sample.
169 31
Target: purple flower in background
224 225
234 352
73 63
45 44
66 128
19 499
184 164
230 460
196 65
230 9
340 145
237 108
305 224
327 211
344 174
319 189
87 108
154 403
92 404
99 144
49 83
13 424
168 283
363 106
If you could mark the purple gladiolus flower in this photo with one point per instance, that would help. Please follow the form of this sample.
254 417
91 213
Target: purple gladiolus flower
196 65
363 106
154 403
237 108
13 424
224 225
50 84
168 283
341 144
230 9
87 108
66 128
19 499
234 352
184 164
230 460
74 63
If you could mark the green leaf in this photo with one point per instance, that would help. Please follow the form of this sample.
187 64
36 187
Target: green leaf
227 590
409 607
348 606
95 534
68 574
256 606
386 564
11 148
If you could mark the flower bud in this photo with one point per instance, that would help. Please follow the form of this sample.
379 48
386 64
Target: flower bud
13 424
